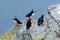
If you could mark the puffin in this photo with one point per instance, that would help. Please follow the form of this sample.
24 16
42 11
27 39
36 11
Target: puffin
40 20
18 22
28 24
31 13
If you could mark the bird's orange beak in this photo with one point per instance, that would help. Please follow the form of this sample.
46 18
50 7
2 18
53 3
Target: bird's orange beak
30 18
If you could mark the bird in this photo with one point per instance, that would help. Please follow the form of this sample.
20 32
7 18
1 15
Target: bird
31 13
16 20
28 24
40 20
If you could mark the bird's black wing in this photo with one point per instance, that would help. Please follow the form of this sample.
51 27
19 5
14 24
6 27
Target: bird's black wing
18 21
28 15
28 24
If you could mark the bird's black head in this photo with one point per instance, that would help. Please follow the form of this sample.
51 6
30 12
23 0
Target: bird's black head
33 10
14 18
42 16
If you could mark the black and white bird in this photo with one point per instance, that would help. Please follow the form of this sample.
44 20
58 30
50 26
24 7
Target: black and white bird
16 20
40 20
28 24
31 13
